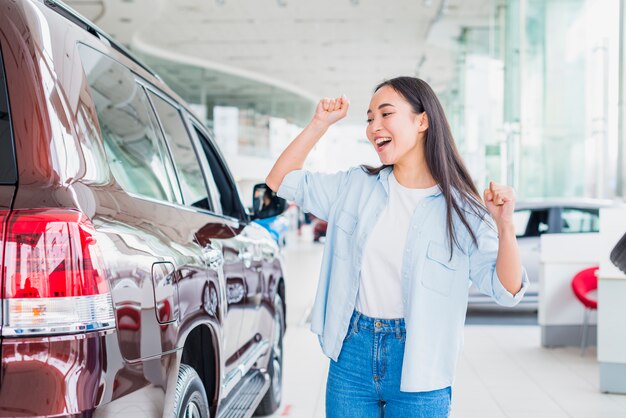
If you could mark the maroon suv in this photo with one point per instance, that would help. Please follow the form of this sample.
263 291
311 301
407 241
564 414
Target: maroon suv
133 282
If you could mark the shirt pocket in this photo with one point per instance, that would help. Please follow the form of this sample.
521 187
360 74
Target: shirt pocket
346 224
439 270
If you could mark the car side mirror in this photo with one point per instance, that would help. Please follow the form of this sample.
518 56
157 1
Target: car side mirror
265 202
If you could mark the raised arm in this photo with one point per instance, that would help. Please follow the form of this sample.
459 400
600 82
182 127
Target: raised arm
328 111
500 201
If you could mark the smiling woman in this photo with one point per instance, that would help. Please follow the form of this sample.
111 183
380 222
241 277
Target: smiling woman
393 119
403 242
403 106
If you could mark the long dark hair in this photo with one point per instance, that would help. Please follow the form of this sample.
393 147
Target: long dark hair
442 157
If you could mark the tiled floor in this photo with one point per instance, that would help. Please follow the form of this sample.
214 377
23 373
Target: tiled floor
503 371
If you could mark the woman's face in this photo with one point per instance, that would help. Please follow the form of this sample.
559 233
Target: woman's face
393 127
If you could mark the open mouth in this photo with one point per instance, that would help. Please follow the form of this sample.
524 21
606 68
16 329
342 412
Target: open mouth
381 143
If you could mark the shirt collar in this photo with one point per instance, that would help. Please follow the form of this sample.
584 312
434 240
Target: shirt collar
383 177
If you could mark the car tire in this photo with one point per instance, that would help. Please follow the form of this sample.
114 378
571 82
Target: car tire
271 401
190 400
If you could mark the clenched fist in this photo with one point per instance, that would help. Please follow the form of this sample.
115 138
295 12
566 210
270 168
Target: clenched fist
330 111
500 202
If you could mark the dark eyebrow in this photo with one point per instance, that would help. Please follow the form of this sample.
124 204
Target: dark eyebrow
381 106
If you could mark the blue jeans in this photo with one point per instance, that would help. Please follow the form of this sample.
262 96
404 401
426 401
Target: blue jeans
364 382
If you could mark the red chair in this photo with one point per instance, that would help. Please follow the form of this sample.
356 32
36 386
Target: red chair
584 282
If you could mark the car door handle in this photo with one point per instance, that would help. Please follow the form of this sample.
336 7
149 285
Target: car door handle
212 257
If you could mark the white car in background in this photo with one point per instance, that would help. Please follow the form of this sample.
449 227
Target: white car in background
533 218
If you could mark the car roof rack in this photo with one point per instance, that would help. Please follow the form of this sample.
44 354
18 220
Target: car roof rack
72 15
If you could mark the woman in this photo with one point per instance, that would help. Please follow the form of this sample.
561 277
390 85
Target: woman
404 240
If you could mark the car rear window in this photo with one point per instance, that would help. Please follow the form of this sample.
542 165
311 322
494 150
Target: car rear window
8 169
138 156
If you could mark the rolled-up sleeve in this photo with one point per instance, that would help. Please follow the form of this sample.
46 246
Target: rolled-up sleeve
482 260
312 192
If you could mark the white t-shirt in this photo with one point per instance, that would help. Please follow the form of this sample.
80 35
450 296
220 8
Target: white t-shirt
380 290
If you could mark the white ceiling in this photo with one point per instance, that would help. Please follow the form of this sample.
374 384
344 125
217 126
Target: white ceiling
303 49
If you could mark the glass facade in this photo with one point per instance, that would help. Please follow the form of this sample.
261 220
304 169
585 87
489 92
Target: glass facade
535 103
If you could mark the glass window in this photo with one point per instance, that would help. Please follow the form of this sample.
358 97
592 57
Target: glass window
574 220
229 197
190 175
8 172
137 156
560 60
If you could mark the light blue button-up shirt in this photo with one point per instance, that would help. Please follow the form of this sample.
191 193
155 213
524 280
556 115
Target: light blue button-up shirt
434 288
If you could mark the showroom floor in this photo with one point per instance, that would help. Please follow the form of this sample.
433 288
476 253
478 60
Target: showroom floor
503 371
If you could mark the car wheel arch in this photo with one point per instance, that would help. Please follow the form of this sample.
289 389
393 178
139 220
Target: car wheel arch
200 351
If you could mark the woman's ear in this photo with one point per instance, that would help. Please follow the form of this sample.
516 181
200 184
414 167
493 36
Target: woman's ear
422 122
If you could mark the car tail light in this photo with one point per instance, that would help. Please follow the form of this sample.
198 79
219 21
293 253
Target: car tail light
54 276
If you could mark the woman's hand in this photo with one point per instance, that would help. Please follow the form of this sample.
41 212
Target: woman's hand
500 202
330 111
292 158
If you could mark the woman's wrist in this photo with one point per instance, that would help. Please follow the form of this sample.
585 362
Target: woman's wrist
319 125
506 229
